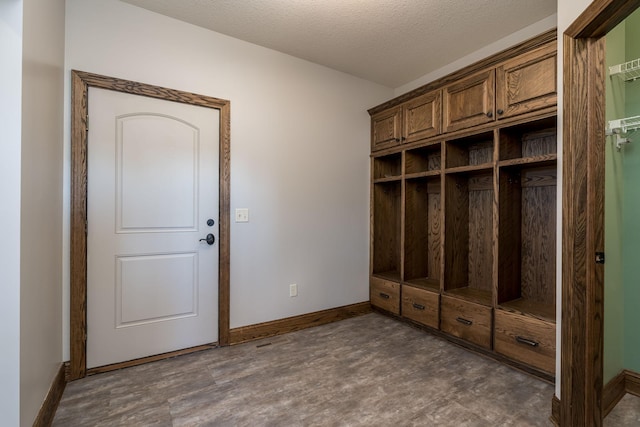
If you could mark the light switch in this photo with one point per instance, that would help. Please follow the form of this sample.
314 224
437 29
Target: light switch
242 215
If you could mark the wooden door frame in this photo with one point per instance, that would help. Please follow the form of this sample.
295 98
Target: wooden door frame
583 211
80 84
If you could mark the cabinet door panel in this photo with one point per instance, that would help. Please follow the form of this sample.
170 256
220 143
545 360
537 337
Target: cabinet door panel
386 129
422 117
527 83
469 102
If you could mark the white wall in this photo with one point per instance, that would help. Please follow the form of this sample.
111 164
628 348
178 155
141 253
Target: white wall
568 11
299 152
41 202
513 39
10 95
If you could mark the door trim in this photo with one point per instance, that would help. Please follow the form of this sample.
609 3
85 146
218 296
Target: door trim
80 83
581 402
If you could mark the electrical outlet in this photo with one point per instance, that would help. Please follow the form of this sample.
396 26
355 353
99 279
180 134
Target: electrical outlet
242 215
293 290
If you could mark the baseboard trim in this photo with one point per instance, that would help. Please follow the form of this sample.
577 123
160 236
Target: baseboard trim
632 382
555 411
51 401
143 360
625 382
296 323
613 392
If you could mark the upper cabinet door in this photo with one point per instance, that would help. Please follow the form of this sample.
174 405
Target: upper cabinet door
469 102
386 128
527 82
422 117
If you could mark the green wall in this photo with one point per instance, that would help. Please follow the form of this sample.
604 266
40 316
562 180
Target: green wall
631 208
613 290
622 212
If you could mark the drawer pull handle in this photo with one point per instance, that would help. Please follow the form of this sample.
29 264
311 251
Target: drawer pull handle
384 296
418 306
522 340
464 321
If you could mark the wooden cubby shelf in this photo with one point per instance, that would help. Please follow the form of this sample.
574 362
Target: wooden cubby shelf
389 179
463 209
547 159
422 174
423 159
387 167
529 142
425 283
393 275
473 168
542 311
474 151
386 230
423 220
527 240
469 230
477 295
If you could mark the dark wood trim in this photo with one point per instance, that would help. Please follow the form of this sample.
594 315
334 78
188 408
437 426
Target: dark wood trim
601 17
149 359
224 219
583 213
613 392
296 323
78 228
583 187
151 91
555 411
80 84
632 382
491 61
625 382
51 401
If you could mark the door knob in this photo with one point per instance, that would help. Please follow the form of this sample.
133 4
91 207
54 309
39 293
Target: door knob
210 239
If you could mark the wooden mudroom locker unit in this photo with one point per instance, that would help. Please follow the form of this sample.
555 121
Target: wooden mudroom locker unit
463 206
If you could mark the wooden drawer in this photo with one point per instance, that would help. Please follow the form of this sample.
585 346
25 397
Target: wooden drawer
421 306
528 340
385 295
466 320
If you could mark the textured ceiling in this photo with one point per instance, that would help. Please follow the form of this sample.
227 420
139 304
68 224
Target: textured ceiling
391 42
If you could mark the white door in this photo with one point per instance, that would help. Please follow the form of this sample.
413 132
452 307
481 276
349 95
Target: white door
152 284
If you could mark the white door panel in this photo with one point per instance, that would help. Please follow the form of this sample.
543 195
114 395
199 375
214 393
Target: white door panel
152 285
149 198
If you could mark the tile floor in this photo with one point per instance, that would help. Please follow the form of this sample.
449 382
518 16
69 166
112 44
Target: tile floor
625 414
365 371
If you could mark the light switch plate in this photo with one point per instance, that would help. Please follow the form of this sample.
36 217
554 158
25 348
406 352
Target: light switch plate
242 215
